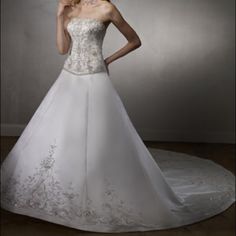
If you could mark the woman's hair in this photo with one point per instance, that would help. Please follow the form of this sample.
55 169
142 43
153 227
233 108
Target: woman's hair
77 1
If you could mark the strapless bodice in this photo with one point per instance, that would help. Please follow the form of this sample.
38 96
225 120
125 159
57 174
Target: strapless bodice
86 55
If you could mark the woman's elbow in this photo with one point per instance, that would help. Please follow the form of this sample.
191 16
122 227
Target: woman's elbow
137 43
62 51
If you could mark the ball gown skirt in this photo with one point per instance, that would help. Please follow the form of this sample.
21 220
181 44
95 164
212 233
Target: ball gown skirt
80 163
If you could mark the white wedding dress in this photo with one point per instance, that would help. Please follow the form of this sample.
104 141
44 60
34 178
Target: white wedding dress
80 162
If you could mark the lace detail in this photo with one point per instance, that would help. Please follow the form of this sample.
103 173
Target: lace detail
43 192
87 36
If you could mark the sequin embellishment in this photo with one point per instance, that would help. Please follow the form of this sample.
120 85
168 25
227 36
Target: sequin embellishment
86 55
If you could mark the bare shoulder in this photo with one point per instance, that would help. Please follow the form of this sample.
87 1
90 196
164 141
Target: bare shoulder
108 8
113 14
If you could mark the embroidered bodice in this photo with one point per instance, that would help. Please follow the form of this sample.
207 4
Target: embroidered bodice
87 36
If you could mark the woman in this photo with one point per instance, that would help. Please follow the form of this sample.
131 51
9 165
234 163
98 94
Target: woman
80 162
101 10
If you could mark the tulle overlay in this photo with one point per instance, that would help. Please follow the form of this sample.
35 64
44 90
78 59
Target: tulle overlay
80 163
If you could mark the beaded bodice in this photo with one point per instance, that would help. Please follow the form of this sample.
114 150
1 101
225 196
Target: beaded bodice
87 36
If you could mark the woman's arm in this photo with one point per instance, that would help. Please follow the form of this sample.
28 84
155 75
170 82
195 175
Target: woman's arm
63 38
133 39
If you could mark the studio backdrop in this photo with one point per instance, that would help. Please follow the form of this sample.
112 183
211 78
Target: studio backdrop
178 86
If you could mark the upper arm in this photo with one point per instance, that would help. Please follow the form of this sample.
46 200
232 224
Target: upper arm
66 21
122 25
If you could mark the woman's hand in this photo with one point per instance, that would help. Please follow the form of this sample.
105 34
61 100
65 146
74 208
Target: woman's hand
106 64
62 6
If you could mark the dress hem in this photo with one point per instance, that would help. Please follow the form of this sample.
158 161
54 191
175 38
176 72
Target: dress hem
97 228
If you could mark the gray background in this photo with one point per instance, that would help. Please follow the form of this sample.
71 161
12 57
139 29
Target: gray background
179 86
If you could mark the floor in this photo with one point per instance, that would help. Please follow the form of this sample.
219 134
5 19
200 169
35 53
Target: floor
219 225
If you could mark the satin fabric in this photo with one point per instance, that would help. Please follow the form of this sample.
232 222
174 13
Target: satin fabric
80 163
